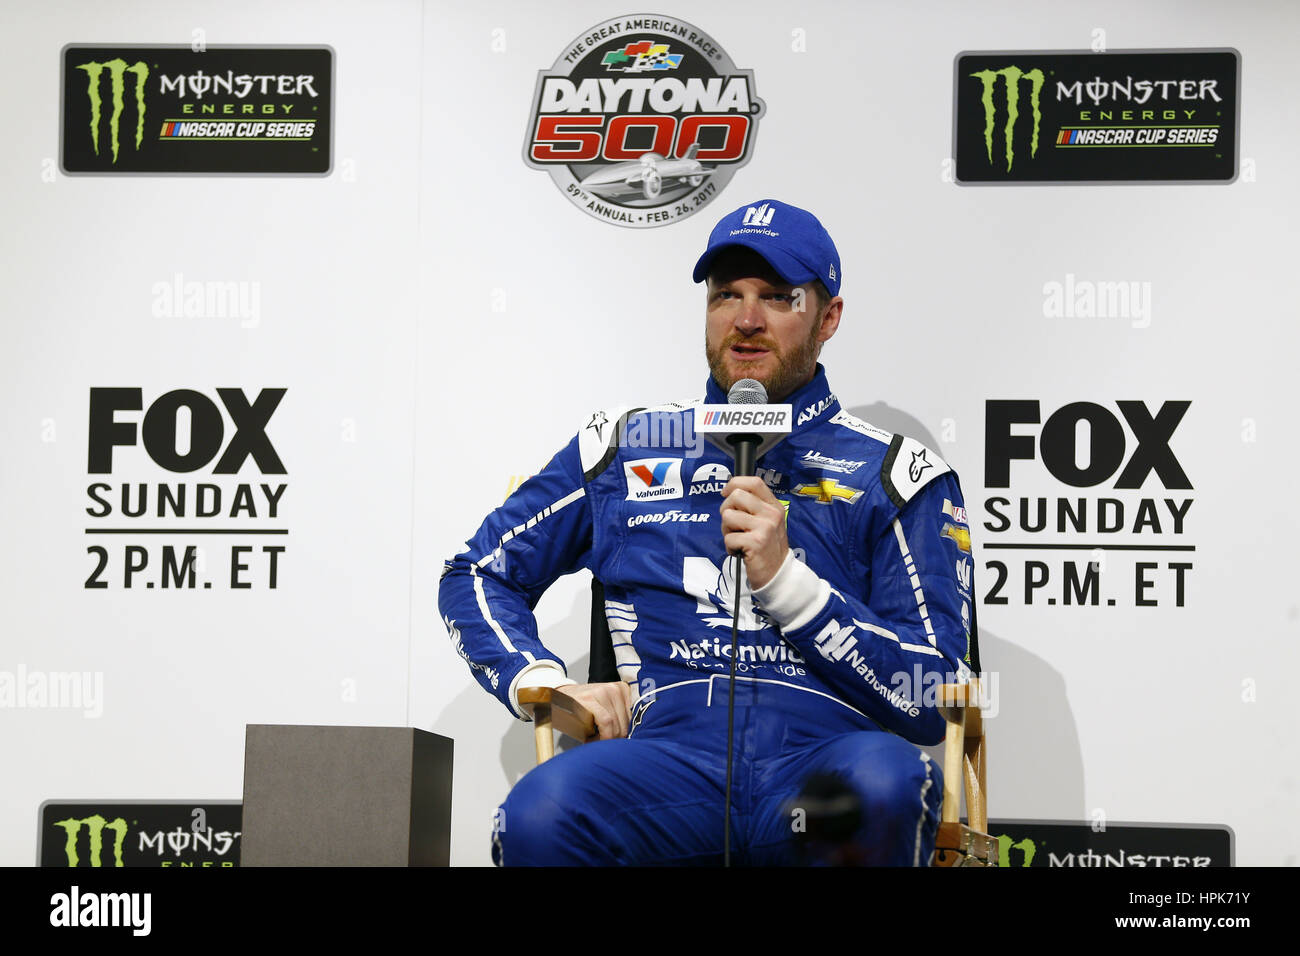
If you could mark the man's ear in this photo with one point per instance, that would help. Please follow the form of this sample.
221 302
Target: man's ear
831 320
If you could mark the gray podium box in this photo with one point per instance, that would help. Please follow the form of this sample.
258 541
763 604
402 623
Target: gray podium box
346 796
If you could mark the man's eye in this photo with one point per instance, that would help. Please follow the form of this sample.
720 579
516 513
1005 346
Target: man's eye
781 297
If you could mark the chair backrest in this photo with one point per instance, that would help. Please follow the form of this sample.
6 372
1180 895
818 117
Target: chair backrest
602 668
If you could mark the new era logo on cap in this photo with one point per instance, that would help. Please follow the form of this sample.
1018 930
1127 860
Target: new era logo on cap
759 216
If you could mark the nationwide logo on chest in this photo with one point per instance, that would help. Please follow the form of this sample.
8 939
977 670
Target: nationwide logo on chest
642 121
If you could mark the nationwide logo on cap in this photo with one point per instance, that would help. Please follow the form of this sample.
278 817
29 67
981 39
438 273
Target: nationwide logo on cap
761 216
642 121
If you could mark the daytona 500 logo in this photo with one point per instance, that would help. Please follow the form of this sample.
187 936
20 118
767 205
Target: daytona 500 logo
642 120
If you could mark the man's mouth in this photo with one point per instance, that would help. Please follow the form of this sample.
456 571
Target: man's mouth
744 351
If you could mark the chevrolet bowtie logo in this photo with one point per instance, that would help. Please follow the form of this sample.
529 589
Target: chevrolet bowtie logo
827 490
959 535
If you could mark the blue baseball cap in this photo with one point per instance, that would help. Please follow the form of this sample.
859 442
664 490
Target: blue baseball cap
791 239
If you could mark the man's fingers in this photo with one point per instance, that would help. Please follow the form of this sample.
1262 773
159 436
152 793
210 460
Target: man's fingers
750 486
738 521
620 696
742 500
606 722
609 705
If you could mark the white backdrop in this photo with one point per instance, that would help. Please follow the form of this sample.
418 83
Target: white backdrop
442 319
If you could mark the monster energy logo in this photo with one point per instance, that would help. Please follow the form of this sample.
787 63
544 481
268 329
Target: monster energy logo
1012 75
1025 846
96 825
117 70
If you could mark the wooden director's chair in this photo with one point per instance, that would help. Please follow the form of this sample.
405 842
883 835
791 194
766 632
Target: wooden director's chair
964 754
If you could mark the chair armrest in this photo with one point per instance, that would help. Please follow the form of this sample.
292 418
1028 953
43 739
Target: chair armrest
554 709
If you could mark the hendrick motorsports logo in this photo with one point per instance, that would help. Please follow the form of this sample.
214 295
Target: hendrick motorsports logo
642 121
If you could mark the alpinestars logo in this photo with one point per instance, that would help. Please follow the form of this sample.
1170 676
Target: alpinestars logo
642 121
918 465
117 69
1012 77
760 216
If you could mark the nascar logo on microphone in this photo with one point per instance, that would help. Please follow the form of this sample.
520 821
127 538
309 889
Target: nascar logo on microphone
758 419
642 120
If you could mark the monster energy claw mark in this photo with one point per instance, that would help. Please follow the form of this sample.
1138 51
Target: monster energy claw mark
95 825
1005 846
117 69
1013 75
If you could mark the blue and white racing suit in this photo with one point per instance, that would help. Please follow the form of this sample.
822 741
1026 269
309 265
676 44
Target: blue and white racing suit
839 655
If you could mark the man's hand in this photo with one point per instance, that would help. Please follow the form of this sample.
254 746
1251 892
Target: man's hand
753 523
610 704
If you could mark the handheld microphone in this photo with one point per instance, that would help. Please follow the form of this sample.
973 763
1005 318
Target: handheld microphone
745 444
747 426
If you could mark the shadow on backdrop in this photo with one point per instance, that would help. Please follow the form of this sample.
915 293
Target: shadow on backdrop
1035 763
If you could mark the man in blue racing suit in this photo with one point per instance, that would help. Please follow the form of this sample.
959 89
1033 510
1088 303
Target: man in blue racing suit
855 602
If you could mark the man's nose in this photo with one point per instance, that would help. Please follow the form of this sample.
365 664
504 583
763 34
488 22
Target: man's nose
750 319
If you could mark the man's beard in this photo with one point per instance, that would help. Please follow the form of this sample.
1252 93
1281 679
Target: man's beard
793 370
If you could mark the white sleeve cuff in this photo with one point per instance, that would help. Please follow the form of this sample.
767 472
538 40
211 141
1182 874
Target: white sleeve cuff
794 596
541 673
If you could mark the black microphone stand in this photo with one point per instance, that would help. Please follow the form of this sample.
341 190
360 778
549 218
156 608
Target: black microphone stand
746 448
